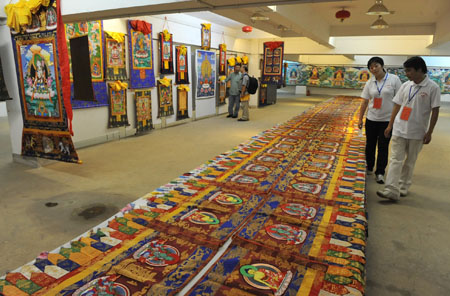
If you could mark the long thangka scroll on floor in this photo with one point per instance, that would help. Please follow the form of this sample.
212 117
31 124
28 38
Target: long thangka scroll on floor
115 66
182 102
165 53
165 97
94 31
4 95
182 72
273 62
291 200
36 48
143 102
140 51
118 115
205 66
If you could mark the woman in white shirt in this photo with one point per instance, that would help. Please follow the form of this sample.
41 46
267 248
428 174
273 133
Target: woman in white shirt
378 94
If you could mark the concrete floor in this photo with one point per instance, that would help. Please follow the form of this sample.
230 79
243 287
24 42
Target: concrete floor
408 248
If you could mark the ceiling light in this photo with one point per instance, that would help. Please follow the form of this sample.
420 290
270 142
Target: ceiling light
259 17
282 28
379 24
378 8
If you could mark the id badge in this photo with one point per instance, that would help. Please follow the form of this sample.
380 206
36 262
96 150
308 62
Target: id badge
405 113
377 103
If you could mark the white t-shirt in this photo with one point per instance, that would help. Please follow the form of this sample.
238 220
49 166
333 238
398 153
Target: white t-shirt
428 96
388 91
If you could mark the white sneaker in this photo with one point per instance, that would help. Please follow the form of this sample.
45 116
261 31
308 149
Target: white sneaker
387 194
379 179
403 192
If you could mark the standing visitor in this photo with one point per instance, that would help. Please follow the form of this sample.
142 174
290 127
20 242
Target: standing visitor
411 126
245 96
234 91
378 94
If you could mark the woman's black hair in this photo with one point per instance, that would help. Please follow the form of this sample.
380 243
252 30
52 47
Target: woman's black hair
375 60
416 63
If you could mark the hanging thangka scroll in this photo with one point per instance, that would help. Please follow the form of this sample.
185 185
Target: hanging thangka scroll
206 36
45 131
273 62
182 102
117 104
4 95
94 31
165 53
205 64
182 75
143 101
222 59
222 93
140 51
165 97
115 68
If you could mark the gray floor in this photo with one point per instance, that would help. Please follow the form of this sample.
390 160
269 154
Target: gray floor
408 250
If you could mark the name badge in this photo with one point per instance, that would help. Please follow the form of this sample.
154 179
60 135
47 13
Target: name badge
377 103
405 113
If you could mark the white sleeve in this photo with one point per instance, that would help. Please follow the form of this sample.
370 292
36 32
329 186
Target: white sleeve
398 96
435 96
365 93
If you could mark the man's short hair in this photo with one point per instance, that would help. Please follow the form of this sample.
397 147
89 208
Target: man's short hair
245 68
375 60
416 63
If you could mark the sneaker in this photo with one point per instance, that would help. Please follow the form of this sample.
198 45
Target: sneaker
240 119
403 192
369 172
379 179
234 116
387 194
229 115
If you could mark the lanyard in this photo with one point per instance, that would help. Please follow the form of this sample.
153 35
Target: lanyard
409 96
380 89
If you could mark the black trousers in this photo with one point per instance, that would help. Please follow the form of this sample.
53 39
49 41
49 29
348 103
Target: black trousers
374 136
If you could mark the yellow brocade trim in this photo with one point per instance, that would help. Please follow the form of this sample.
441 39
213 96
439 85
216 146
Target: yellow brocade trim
232 61
223 46
119 37
183 50
245 60
239 60
222 78
118 85
183 87
19 14
165 81
207 26
166 35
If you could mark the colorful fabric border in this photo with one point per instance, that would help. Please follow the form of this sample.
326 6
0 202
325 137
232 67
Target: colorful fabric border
273 62
165 53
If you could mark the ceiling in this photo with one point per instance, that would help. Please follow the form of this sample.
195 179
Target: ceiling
314 19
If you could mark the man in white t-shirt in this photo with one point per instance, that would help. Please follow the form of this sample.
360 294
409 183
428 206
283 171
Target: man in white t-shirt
411 126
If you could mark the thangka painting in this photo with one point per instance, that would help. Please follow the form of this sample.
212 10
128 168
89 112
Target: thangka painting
117 107
165 53
45 132
222 59
222 93
292 73
182 104
182 73
165 100
143 101
115 59
141 54
206 36
94 31
4 95
273 62
205 65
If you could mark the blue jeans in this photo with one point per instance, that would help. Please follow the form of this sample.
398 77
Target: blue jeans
233 102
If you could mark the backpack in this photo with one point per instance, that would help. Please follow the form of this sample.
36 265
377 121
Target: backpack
252 85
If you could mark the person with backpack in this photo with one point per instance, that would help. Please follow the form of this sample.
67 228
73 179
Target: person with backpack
235 79
245 96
